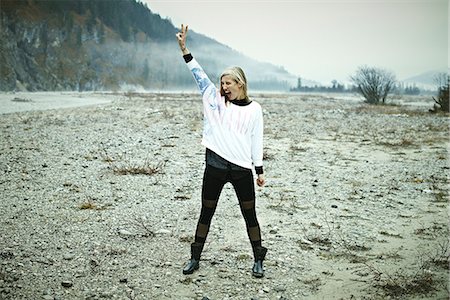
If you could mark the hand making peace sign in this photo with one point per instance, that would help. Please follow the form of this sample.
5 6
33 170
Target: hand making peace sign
181 36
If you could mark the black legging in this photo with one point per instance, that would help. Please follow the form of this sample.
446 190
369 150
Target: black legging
213 181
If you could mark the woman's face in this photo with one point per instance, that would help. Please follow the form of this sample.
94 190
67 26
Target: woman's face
231 88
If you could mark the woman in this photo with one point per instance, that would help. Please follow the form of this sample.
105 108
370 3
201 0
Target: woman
233 136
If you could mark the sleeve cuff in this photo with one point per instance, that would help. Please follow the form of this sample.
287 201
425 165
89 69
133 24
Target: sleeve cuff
188 57
259 170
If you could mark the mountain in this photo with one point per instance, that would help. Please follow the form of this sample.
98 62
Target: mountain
426 80
109 45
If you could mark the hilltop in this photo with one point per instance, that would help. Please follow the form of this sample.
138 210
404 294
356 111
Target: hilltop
109 45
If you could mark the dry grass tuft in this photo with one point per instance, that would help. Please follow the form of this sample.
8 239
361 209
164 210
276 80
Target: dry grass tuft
89 204
16 99
391 109
401 143
145 169
420 281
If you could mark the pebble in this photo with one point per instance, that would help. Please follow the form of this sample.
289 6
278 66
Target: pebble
279 288
67 283
163 231
68 256
305 241
125 232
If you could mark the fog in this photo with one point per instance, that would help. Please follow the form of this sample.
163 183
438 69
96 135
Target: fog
160 66
325 40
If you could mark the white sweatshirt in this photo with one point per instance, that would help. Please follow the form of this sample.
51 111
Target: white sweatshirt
232 131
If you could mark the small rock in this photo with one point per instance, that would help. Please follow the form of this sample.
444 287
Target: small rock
68 256
67 283
279 288
47 292
125 232
305 241
163 231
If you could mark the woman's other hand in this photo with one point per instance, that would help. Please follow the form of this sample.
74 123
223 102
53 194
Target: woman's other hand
260 181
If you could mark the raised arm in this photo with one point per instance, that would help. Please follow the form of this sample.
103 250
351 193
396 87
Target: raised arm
208 90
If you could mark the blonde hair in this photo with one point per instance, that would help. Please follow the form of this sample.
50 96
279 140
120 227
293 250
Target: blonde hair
238 75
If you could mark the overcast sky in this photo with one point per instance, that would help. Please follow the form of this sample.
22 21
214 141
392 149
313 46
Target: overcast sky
324 40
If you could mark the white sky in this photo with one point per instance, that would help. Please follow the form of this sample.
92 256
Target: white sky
323 40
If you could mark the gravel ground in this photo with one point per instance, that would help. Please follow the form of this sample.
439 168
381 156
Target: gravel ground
101 201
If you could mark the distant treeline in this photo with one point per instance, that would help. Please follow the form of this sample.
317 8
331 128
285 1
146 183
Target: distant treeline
336 87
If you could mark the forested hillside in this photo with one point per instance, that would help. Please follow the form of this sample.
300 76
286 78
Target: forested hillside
108 45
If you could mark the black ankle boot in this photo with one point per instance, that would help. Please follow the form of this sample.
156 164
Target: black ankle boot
191 266
194 262
258 268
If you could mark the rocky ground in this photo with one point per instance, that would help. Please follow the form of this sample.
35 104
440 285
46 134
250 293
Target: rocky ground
101 202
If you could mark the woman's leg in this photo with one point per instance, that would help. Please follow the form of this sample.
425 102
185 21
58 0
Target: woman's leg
245 191
213 182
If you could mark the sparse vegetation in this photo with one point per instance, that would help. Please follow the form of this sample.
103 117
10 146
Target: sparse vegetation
401 143
374 84
127 167
141 227
420 281
17 99
440 189
135 169
89 204
442 100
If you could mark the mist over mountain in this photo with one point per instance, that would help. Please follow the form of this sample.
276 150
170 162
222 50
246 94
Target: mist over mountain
110 45
426 80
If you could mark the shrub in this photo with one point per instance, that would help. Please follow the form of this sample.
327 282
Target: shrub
442 101
374 84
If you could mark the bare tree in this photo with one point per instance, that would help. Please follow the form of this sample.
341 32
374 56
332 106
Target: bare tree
374 83
442 101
